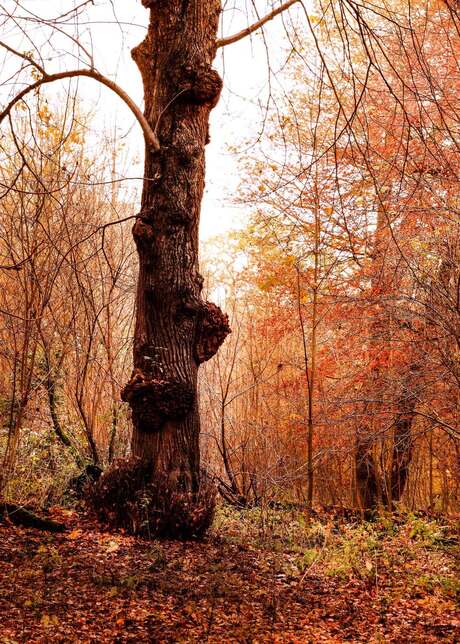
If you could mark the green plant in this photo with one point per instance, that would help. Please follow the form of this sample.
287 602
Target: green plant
307 559
429 533
447 586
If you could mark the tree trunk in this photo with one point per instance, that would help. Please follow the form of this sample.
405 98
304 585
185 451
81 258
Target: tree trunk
366 471
51 392
368 484
403 440
24 517
175 329
402 455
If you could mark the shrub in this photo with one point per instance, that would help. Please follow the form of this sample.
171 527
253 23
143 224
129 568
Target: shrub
427 532
42 471
77 487
131 496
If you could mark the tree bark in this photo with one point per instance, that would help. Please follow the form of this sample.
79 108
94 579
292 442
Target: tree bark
50 385
402 454
175 329
24 517
368 482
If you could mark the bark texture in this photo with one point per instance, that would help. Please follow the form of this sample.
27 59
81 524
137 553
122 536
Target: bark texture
383 455
388 486
402 453
175 329
367 481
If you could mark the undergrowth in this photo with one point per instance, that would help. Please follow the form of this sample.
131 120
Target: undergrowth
42 472
416 552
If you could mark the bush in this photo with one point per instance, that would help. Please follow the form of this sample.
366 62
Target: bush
42 471
77 487
133 497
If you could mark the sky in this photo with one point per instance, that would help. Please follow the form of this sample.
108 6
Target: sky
110 29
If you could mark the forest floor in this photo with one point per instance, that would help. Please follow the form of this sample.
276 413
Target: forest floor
260 576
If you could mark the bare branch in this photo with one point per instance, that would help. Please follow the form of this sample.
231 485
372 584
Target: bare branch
222 42
149 134
26 57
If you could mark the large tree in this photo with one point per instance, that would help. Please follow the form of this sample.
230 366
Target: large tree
176 330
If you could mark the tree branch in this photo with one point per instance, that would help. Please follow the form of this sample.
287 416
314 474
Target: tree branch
23 517
26 57
149 134
222 42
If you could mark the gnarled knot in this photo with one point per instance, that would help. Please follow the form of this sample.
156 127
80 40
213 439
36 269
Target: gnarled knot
142 56
153 401
212 329
201 84
207 86
143 232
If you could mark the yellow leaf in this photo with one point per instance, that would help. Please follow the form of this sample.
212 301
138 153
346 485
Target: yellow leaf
112 546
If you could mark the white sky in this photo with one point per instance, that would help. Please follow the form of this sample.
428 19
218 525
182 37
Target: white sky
235 119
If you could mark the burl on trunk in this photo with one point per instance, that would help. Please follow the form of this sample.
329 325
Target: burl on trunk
175 329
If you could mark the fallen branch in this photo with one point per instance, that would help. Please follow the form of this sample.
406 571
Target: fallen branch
21 516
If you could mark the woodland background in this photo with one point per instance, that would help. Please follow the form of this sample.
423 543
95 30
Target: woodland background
329 416
342 283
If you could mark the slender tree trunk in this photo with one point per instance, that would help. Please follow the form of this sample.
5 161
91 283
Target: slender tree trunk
175 329
313 347
403 440
368 482
402 454
51 386
366 474
430 480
